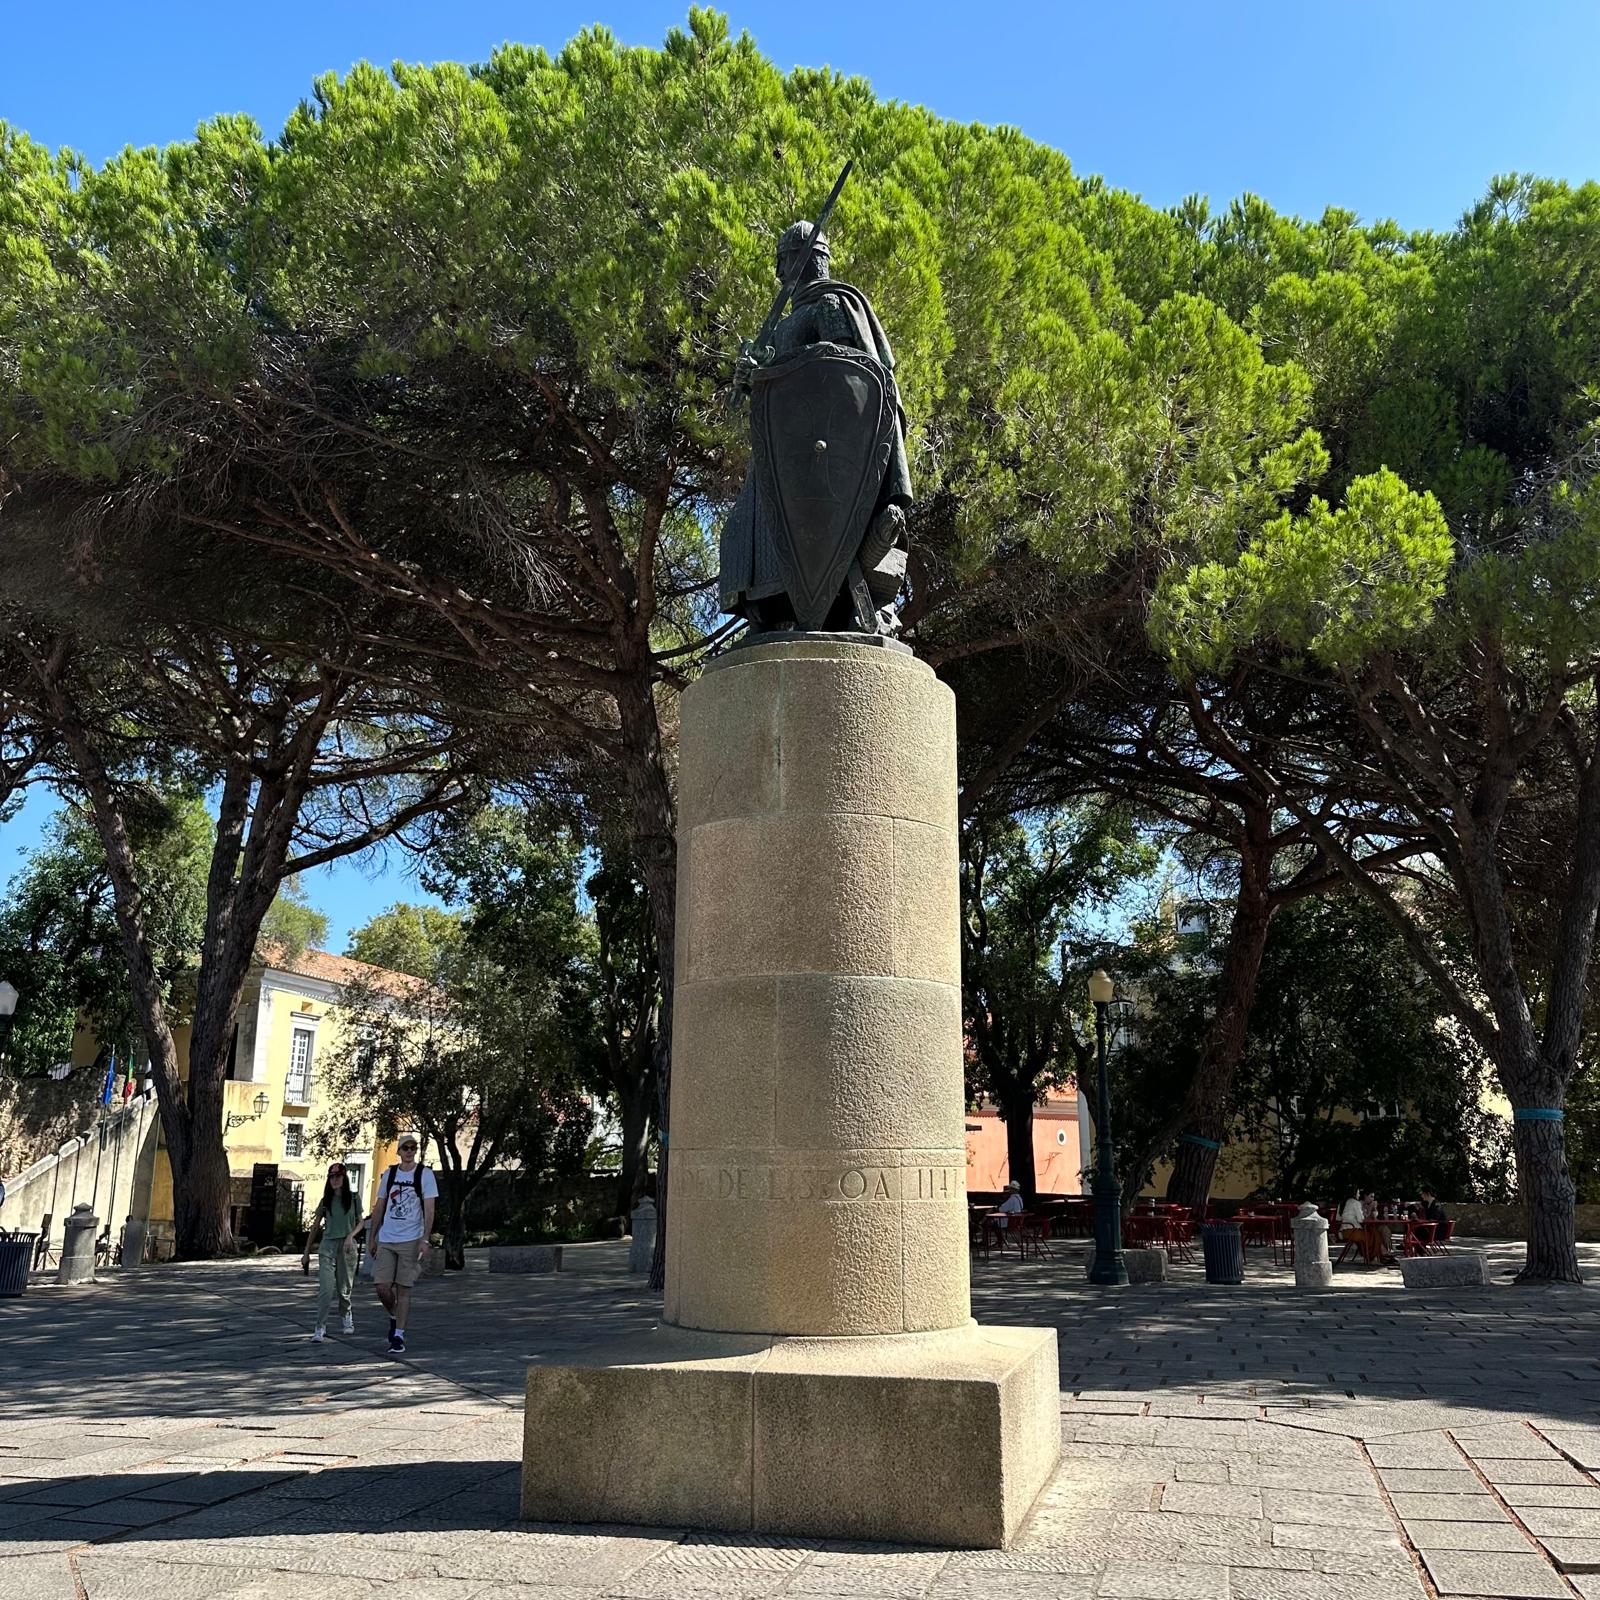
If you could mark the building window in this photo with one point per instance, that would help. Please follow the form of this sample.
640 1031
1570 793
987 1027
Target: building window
297 1088
294 1139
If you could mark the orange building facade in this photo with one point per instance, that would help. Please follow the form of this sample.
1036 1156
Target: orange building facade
1061 1132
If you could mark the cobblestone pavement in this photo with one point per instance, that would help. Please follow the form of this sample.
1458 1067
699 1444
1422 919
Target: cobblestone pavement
174 1433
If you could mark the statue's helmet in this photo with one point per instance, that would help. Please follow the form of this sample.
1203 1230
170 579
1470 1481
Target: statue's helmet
793 241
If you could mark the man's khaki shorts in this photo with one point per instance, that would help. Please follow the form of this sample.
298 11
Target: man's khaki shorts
397 1263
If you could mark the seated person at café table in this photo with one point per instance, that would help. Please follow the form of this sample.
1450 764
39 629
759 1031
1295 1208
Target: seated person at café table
1380 1242
1004 1215
1430 1210
1359 1225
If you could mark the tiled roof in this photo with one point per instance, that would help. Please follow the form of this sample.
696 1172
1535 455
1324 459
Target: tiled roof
326 967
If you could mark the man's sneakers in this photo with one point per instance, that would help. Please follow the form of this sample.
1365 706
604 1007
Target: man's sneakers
317 1333
349 1324
397 1342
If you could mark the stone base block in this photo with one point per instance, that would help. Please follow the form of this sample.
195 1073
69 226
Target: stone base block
943 1439
1460 1269
525 1258
1145 1266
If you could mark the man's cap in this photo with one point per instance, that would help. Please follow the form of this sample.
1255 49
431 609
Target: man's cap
1015 1185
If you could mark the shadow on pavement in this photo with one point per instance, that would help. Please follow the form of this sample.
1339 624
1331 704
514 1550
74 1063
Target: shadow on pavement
258 1501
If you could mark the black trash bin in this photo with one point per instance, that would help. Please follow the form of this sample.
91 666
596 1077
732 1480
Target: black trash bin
1224 1252
16 1256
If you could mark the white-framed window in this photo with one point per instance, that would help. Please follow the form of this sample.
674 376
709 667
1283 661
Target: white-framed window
294 1140
297 1087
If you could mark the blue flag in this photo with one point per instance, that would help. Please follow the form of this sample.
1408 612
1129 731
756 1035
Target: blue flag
111 1072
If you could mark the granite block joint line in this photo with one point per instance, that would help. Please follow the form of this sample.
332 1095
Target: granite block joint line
1510 1514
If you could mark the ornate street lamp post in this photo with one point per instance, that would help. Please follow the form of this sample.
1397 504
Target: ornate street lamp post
1107 1265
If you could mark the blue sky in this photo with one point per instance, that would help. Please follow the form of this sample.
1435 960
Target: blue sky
1403 109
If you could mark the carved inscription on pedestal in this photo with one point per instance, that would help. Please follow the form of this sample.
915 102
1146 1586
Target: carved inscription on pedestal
757 1181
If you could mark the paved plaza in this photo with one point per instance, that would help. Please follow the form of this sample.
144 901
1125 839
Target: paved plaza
174 1434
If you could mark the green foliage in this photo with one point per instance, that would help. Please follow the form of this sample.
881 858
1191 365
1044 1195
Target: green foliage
604 219
58 933
477 1052
1456 375
421 940
1352 1073
1354 1070
1034 896
1338 586
292 924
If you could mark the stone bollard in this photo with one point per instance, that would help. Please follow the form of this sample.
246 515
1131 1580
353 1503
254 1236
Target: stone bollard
133 1235
1312 1269
643 1249
77 1245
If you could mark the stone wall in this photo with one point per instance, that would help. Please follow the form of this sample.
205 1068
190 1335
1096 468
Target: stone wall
107 1165
38 1115
1505 1222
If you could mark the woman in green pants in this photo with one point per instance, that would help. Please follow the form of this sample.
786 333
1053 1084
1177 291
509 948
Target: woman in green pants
336 1220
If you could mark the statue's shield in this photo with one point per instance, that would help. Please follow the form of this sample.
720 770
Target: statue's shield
821 422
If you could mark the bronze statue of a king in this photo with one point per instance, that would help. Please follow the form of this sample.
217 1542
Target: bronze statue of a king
817 538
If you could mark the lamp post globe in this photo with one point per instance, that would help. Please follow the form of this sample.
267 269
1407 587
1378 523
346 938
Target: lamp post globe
1106 1265
8 1011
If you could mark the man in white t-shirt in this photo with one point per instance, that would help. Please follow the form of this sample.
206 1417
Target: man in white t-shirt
397 1235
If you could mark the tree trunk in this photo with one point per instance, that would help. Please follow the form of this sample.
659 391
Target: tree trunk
199 1236
655 841
453 1217
1544 1183
202 1194
1016 1111
1206 1108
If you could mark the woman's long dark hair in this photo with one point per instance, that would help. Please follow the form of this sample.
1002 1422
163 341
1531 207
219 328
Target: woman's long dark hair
345 1196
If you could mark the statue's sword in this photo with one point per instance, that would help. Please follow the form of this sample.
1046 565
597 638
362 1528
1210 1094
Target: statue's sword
752 347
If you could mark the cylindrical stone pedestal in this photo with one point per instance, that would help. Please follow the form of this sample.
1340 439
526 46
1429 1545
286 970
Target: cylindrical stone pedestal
1312 1269
817 1178
77 1246
818 1371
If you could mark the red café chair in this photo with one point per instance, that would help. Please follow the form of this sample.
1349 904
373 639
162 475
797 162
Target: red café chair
1257 1230
1033 1235
1443 1232
1419 1238
1180 1237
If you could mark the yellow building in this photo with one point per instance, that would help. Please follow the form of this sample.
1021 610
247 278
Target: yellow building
290 1020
